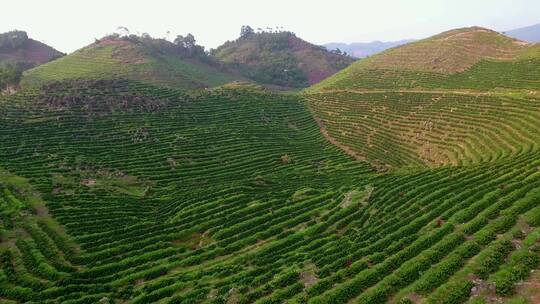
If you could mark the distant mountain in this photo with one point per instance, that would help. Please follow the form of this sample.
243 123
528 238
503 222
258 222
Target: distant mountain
182 64
18 52
529 33
365 49
280 58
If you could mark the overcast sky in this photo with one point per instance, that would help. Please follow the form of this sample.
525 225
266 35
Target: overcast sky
70 25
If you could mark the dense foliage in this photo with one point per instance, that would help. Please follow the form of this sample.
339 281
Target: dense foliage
115 189
10 73
279 58
13 40
137 193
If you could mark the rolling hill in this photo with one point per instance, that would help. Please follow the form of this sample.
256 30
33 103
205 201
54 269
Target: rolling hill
406 106
18 52
280 58
529 33
469 57
365 49
128 191
138 58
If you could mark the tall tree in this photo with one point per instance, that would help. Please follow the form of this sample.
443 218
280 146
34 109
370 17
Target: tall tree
246 31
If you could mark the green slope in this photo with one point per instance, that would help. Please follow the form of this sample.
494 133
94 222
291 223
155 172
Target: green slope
122 191
461 97
233 195
144 59
470 58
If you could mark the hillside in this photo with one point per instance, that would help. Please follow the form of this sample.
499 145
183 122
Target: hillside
413 178
461 97
365 49
529 33
138 58
119 191
463 58
280 58
18 52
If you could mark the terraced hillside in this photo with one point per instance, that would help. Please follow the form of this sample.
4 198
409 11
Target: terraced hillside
156 61
117 185
470 58
149 183
399 129
118 191
460 97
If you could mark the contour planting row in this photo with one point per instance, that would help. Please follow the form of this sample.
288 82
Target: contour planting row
484 75
119 176
412 129
234 196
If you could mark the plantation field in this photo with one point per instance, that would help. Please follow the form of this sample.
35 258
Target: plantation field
117 191
469 58
485 75
111 59
399 129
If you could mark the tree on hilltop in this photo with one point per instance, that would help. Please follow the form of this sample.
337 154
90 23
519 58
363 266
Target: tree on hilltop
246 31
13 39
187 42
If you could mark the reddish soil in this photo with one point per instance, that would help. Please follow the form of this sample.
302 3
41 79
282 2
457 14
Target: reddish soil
297 44
40 53
33 52
530 289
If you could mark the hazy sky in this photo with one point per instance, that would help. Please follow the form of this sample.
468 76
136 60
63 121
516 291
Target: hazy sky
69 25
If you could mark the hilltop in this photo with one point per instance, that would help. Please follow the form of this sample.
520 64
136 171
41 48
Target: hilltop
469 57
182 64
280 58
18 52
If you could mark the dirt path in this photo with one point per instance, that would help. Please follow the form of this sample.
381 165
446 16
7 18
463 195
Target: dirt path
456 92
333 141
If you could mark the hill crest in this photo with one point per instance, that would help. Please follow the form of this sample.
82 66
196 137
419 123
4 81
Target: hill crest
140 58
281 58
471 58
18 53
450 52
16 46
